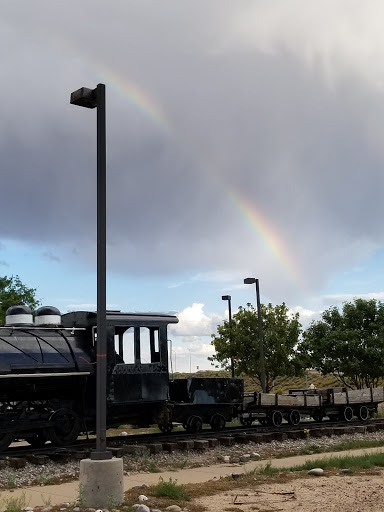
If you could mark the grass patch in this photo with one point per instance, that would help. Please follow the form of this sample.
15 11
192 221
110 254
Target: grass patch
314 448
152 468
358 462
15 504
170 490
266 470
353 445
180 464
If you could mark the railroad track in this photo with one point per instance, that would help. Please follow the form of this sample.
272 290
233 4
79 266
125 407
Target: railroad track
17 454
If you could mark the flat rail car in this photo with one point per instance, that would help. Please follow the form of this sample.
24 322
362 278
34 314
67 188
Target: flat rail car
335 403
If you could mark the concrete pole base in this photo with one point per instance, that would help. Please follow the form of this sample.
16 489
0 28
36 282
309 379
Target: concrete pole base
101 483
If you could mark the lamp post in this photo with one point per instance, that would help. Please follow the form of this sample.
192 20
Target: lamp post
91 98
228 298
252 280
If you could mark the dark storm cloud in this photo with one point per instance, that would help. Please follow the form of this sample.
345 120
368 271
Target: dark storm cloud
243 118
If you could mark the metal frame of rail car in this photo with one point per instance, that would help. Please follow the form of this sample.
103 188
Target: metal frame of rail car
362 409
274 416
199 400
137 382
353 405
271 409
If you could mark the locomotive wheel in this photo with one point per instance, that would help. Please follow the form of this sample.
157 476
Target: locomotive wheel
217 422
276 418
363 413
38 440
194 424
165 427
6 438
346 414
66 427
5 441
294 417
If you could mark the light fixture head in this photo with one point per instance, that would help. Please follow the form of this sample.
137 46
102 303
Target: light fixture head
84 97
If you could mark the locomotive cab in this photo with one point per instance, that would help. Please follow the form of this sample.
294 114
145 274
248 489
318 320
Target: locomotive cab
137 365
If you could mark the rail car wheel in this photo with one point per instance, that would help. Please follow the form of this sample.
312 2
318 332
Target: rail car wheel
246 422
66 427
276 418
346 414
363 413
217 422
194 424
294 417
165 427
318 416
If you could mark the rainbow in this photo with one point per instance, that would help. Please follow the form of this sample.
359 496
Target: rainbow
139 98
266 233
150 108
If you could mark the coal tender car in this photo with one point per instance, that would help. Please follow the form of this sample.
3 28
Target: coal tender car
205 400
48 373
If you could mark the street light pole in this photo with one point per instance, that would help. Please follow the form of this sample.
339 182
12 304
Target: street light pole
228 298
101 476
89 98
252 280
101 390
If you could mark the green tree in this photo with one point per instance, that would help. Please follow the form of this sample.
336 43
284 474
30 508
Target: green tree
349 344
240 341
13 291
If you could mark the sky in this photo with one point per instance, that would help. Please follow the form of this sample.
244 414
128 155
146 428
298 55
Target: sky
244 139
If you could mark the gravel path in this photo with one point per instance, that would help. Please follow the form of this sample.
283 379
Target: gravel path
53 472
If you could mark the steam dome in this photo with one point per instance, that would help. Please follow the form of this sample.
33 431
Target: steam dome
18 315
48 316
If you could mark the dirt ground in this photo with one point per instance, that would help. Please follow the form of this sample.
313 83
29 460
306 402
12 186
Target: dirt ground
341 493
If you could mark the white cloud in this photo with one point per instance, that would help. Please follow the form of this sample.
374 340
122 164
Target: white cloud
335 299
208 277
194 322
338 37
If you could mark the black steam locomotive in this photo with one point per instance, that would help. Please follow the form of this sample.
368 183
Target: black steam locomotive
48 377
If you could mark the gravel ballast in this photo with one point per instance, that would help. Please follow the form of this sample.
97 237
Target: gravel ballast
53 472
